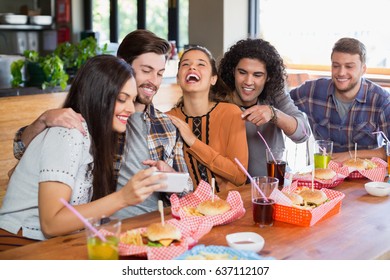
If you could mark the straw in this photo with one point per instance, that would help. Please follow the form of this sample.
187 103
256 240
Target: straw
250 178
296 145
384 135
355 150
322 149
212 188
85 221
312 179
161 210
265 142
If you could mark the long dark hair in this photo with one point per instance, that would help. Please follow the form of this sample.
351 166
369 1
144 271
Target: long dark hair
218 92
255 49
142 41
93 94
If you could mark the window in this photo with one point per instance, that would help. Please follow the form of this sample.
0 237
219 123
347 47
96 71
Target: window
183 24
304 31
157 17
101 19
127 17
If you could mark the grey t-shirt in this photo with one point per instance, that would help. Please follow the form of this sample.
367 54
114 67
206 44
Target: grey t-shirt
274 136
136 151
342 107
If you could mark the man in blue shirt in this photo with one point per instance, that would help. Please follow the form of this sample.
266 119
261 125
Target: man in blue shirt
347 108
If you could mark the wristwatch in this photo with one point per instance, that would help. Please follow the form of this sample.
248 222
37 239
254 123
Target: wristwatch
274 117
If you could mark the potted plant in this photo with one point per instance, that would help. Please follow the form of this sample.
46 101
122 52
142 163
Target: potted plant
75 55
41 71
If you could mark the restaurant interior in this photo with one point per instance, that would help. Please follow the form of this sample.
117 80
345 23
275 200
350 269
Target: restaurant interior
217 25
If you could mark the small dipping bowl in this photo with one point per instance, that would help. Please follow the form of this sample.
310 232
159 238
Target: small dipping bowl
377 188
248 241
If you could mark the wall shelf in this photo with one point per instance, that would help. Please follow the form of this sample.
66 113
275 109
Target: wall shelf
25 27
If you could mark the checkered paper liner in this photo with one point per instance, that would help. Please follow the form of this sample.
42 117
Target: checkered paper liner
284 211
305 181
377 174
191 233
202 193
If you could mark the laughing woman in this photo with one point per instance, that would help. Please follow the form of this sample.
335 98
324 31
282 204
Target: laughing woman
213 130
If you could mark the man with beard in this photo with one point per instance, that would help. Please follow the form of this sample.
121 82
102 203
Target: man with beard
347 108
255 73
151 139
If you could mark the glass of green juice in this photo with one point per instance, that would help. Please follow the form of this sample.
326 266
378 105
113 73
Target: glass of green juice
107 249
322 153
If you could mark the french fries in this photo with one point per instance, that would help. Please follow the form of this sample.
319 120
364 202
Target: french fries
191 211
132 237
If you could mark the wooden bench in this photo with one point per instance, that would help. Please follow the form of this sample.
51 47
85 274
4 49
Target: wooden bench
18 111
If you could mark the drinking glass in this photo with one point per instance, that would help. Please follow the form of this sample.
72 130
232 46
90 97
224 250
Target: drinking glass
388 157
110 228
276 164
263 206
322 153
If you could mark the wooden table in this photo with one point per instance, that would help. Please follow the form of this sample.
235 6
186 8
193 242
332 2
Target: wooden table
361 231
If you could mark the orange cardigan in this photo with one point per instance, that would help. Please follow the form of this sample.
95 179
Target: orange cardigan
223 138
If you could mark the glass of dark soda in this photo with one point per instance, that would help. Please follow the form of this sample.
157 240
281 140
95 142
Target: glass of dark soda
263 206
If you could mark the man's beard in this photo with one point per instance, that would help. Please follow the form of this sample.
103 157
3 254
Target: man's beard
347 89
143 100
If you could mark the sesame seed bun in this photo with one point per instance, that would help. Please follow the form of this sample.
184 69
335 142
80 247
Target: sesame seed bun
360 164
324 173
315 196
212 208
157 232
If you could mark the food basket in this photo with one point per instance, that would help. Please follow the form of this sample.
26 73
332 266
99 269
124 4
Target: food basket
355 175
202 193
191 233
375 174
305 180
302 217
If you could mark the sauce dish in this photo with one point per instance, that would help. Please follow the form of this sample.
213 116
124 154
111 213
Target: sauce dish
248 241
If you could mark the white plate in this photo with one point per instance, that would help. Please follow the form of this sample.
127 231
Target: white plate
247 241
177 182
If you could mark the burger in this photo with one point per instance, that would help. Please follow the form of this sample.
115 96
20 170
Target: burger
324 173
159 234
213 208
156 235
313 198
359 164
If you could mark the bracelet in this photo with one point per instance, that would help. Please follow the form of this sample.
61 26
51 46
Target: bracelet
274 116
